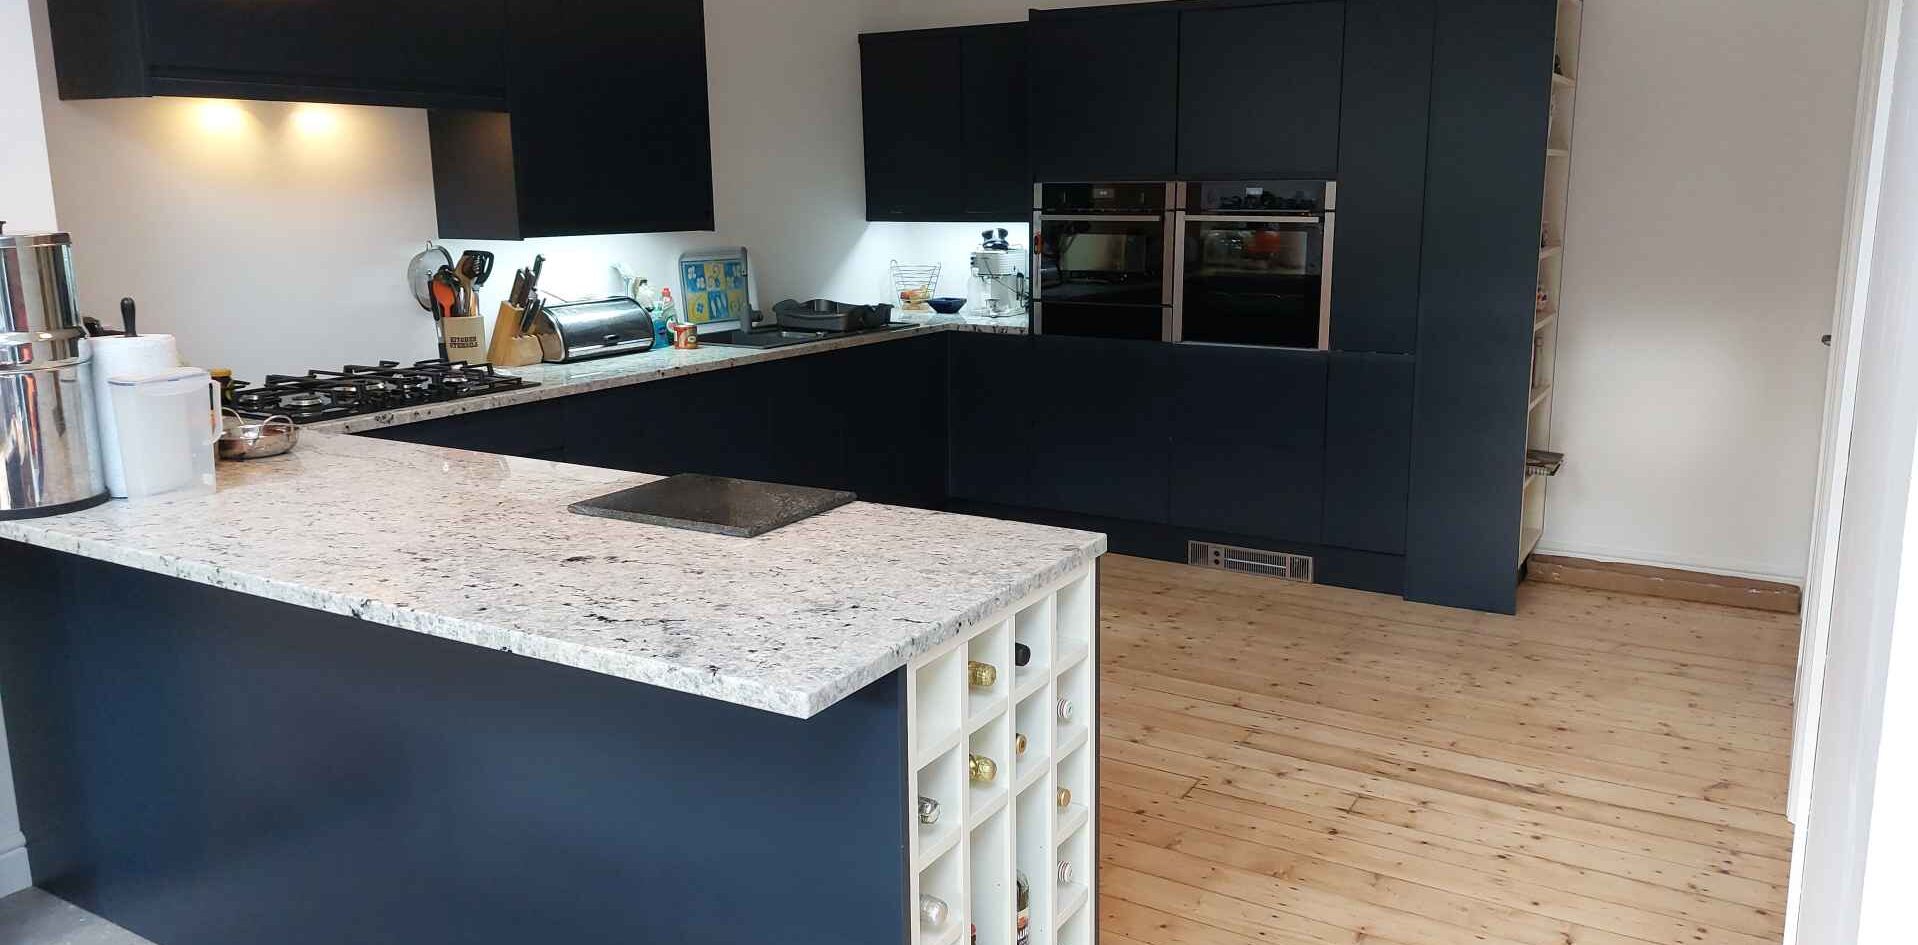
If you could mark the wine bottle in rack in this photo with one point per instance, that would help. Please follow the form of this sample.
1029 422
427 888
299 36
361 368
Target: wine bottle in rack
981 675
1065 873
1065 797
1021 654
983 770
1066 709
928 810
932 911
1022 923
1019 743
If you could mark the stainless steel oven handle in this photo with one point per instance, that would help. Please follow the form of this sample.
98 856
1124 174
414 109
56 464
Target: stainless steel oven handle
1101 218
1175 276
1035 262
1247 218
1325 288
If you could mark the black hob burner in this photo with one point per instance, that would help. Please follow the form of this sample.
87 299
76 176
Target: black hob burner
362 389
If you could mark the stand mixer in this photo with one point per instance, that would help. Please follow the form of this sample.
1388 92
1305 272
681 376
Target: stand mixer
999 287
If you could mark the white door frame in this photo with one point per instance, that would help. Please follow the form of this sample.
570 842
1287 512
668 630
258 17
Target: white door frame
1865 569
1841 384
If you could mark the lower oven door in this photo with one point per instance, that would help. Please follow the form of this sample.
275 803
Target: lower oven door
1255 280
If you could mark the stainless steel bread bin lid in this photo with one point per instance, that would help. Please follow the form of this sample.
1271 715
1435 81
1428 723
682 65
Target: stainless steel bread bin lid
36 283
601 328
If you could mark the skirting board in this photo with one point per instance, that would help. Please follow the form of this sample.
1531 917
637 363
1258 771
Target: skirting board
1665 582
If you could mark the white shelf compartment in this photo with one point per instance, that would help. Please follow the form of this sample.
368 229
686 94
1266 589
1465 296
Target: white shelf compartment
939 690
945 879
1075 687
991 907
943 780
1032 627
1033 718
1033 857
993 648
1070 897
992 833
994 741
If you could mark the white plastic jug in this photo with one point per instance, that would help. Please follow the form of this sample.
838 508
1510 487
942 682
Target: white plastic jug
168 431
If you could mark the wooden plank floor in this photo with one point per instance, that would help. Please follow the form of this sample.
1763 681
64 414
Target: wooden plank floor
1298 765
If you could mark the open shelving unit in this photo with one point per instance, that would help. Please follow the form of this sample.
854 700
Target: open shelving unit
1551 269
986 835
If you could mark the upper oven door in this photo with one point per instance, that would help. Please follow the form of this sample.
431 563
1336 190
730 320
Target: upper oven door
1112 259
1253 264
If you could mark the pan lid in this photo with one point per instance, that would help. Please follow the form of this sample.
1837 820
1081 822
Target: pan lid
30 240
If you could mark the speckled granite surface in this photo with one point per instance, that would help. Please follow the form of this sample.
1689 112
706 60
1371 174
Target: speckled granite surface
562 380
481 549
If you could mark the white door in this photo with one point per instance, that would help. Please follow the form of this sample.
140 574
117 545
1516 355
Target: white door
1841 386
1862 572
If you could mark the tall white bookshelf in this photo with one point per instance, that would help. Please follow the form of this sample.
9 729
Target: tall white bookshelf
987 834
1551 269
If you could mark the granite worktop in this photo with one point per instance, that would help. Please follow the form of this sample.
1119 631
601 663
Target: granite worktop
564 380
481 549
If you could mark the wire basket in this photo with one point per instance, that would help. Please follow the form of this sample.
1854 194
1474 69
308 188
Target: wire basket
913 286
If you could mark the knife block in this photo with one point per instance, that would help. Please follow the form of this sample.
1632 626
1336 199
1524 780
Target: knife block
510 348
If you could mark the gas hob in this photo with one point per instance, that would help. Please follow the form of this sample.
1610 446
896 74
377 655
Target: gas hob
359 389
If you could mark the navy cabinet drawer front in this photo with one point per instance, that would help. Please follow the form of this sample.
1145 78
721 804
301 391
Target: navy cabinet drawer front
1368 451
1248 441
1098 425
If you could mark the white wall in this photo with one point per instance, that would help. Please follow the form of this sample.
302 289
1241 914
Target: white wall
1711 154
273 237
26 204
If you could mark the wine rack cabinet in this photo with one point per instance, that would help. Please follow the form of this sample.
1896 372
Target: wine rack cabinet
987 834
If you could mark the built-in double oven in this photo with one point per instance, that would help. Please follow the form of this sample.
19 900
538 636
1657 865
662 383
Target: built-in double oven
1206 262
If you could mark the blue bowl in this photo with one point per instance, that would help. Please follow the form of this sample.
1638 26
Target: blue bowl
947 306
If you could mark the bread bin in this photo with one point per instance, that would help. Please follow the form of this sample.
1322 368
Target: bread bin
577 331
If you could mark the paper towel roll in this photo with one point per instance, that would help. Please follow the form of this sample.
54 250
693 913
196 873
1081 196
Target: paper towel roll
120 356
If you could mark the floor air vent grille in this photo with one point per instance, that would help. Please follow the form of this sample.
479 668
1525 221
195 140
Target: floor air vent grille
1276 564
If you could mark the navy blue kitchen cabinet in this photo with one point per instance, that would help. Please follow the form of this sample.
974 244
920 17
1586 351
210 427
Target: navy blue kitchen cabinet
1098 427
535 430
1105 93
913 169
871 419
1259 91
561 163
998 174
1368 450
1491 93
1248 441
992 389
352 51
920 165
1386 102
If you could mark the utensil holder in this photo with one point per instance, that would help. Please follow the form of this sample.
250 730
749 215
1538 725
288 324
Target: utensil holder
510 348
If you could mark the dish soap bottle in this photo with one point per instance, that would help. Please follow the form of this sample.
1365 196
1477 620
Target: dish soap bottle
663 315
